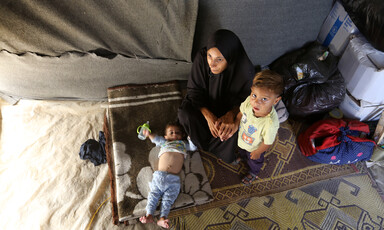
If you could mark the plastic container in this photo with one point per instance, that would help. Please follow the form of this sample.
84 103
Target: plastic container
141 129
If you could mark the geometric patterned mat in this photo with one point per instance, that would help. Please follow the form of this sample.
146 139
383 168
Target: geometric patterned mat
348 202
284 168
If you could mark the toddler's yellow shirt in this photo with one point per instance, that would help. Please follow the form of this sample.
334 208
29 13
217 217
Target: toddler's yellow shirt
254 130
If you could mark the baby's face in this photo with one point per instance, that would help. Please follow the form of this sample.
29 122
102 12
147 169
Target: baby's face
173 133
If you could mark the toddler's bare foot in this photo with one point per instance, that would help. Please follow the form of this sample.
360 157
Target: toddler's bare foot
146 219
162 222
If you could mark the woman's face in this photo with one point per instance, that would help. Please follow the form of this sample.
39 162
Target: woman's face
216 61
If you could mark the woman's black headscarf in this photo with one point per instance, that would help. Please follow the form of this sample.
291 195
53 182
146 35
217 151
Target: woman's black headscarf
223 91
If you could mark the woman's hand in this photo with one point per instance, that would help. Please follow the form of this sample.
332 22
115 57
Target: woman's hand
211 120
226 126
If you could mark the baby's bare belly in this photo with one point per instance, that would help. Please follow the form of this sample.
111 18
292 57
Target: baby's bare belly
171 162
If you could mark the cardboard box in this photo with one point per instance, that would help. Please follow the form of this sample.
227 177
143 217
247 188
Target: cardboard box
360 110
336 29
362 68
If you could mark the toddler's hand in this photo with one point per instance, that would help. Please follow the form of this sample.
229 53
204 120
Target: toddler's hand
255 156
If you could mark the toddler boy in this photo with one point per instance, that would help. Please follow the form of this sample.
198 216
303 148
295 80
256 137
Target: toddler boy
258 121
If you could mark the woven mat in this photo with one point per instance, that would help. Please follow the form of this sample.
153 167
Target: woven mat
284 168
348 202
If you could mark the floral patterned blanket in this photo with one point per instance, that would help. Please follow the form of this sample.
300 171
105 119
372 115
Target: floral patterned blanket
132 161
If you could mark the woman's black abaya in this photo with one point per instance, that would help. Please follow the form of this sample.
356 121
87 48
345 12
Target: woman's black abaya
219 93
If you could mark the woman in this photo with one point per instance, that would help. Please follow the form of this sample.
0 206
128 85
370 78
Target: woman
220 80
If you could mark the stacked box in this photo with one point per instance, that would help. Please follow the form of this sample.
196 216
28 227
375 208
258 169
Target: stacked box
360 109
336 30
362 68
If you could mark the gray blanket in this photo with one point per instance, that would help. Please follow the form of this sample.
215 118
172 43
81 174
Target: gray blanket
135 160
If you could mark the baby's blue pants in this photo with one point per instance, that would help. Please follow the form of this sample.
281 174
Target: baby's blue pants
165 186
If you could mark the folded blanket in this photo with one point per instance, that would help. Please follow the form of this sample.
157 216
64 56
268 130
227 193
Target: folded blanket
132 161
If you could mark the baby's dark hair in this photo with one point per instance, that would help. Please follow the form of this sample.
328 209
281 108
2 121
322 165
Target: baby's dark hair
270 80
176 124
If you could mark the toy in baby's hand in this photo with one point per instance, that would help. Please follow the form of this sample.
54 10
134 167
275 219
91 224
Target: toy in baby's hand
140 130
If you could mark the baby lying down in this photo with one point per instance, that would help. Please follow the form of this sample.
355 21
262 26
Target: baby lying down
165 182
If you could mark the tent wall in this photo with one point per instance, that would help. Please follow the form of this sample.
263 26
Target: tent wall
267 29
77 49
133 28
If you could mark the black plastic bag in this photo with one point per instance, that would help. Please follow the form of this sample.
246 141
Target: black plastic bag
308 98
313 84
368 16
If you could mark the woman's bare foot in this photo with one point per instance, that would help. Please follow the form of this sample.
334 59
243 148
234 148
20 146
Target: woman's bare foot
146 219
162 222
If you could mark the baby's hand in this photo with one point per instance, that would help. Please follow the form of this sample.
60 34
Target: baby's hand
146 132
